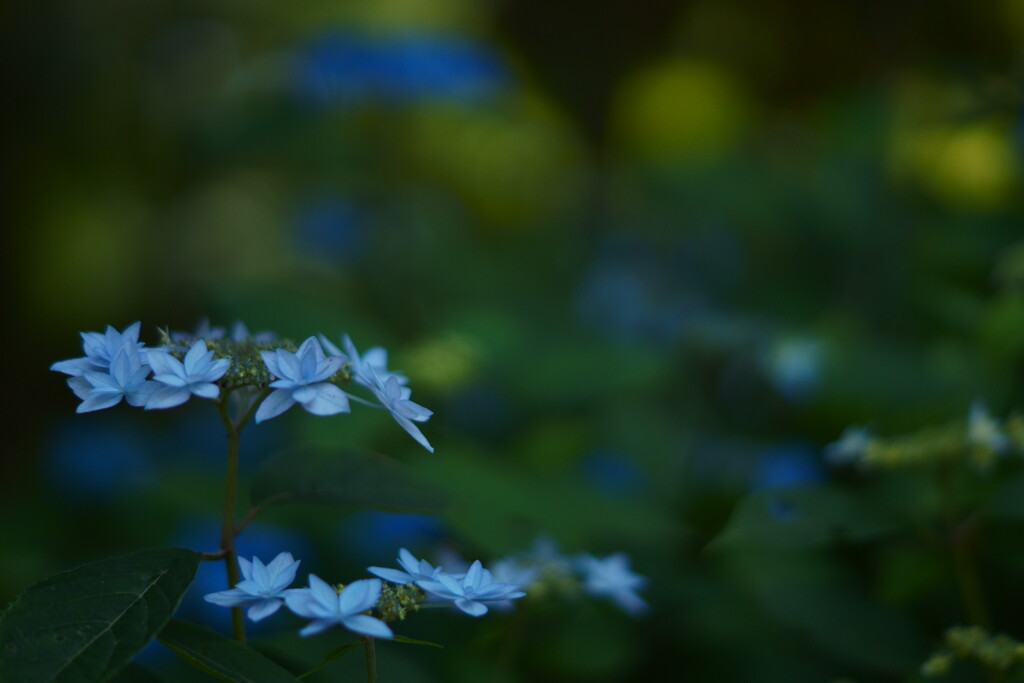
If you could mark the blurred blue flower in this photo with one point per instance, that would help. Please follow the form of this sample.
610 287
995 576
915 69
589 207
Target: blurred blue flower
328 607
984 432
345 66
371 534
613 473
787 465
97 460
470 591
611 577
412 569
850 446
330 227
793 366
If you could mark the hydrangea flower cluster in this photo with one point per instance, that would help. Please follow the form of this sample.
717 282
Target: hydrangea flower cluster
266 587
264 373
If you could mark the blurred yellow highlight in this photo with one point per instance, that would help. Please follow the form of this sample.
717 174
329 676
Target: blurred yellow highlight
680 110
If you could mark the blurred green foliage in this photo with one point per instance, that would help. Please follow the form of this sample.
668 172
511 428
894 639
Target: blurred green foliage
643 263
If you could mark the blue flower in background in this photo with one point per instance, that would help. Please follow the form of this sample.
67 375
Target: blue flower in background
345 67
331 228
470 591
786 466
98 459
412 569
794 367
371 534
849 447
613 473
611 577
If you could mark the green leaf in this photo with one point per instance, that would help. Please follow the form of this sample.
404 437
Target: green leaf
804 516
344 477
133 673
86 623
331 656
208 650
413 641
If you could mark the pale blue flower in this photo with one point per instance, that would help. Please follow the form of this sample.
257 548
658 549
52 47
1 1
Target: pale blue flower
469 592
366 368
264 587
611 577
302 379
515 572
100 350
984 432
395 398
126 379
327 607
239 333
850 446
414 569
180 380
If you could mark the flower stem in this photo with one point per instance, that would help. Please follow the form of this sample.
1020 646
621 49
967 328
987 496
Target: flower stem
371 660
227 527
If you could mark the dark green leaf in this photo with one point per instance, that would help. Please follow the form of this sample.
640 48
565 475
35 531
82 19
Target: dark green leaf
220 656
86 623
133 673
805 516
331 656
344 477
413 641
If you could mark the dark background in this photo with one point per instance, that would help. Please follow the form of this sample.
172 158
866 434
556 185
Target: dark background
641 259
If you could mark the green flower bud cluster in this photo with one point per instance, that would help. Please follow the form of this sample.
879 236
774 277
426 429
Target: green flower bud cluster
396 600
995 652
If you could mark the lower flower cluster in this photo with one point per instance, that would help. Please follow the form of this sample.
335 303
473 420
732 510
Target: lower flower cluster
364 606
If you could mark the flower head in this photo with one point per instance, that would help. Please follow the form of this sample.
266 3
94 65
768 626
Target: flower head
849 447
179 380
469 592
414 569
328 607
100 350
126 379
366 368
611 577
302 379
264 587
395 398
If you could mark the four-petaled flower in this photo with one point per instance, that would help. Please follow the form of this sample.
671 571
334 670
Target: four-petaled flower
611 577
302 379
328 607
373 363
415 570
126 379
180 380
265 586
470 591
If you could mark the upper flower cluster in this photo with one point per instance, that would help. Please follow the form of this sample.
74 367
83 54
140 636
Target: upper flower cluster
210 363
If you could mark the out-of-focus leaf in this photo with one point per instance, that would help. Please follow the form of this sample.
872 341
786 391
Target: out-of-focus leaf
413 641
331 656
497 507
133 673
225 658
1006 502
803 516
823 602
344 477
86 623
